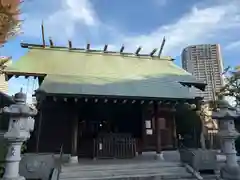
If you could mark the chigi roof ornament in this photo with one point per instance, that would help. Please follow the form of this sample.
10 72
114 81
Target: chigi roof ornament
104 50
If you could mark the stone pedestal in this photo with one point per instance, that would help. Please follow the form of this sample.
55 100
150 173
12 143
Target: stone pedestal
20 126
226 115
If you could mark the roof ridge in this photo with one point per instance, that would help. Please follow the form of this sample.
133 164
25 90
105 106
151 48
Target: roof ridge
99 52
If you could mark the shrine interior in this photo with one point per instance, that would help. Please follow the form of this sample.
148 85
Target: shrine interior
112 118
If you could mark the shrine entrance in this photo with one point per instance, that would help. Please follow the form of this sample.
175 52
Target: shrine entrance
109 130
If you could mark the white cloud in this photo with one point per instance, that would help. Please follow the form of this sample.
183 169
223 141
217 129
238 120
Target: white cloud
161 2
233 45
192 28
61 23
200 25
81 10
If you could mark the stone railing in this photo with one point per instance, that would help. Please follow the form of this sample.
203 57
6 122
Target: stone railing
199 159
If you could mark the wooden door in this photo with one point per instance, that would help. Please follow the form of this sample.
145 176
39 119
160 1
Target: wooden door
149 135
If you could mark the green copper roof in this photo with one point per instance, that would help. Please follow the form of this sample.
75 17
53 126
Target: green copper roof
75 72
161 87
54 61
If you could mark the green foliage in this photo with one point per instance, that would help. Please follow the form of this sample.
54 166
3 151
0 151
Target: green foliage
1 170
237 144
24 148
232 87
3 64
188 125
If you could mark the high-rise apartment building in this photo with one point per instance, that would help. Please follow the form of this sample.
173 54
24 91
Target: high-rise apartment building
205 63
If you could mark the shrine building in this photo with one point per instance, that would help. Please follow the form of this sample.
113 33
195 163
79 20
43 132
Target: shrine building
104 104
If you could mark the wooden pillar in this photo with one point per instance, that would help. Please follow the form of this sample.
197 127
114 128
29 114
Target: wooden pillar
157 129
143 136
74 149
174 132
39 127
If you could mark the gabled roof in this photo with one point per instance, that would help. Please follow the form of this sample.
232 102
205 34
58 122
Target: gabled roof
75 63
5 100
159 87
82 72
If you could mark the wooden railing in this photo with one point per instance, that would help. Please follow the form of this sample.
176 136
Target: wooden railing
118 146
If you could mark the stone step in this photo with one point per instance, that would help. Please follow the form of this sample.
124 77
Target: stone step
97 173
76 167
141 171
210 177
137 177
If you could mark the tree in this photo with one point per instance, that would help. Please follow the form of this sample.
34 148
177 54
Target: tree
9 25
232 86
207 123
202 115
9 22
3 63
188 124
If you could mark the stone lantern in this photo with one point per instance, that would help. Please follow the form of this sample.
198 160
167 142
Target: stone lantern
20 126
226 115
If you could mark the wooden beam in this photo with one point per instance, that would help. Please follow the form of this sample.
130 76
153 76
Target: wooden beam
153 52
162 46
105 48
122 49
69 44
43 35
51 42
138 50
88 47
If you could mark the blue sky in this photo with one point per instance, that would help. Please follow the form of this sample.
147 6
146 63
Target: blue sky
132 23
